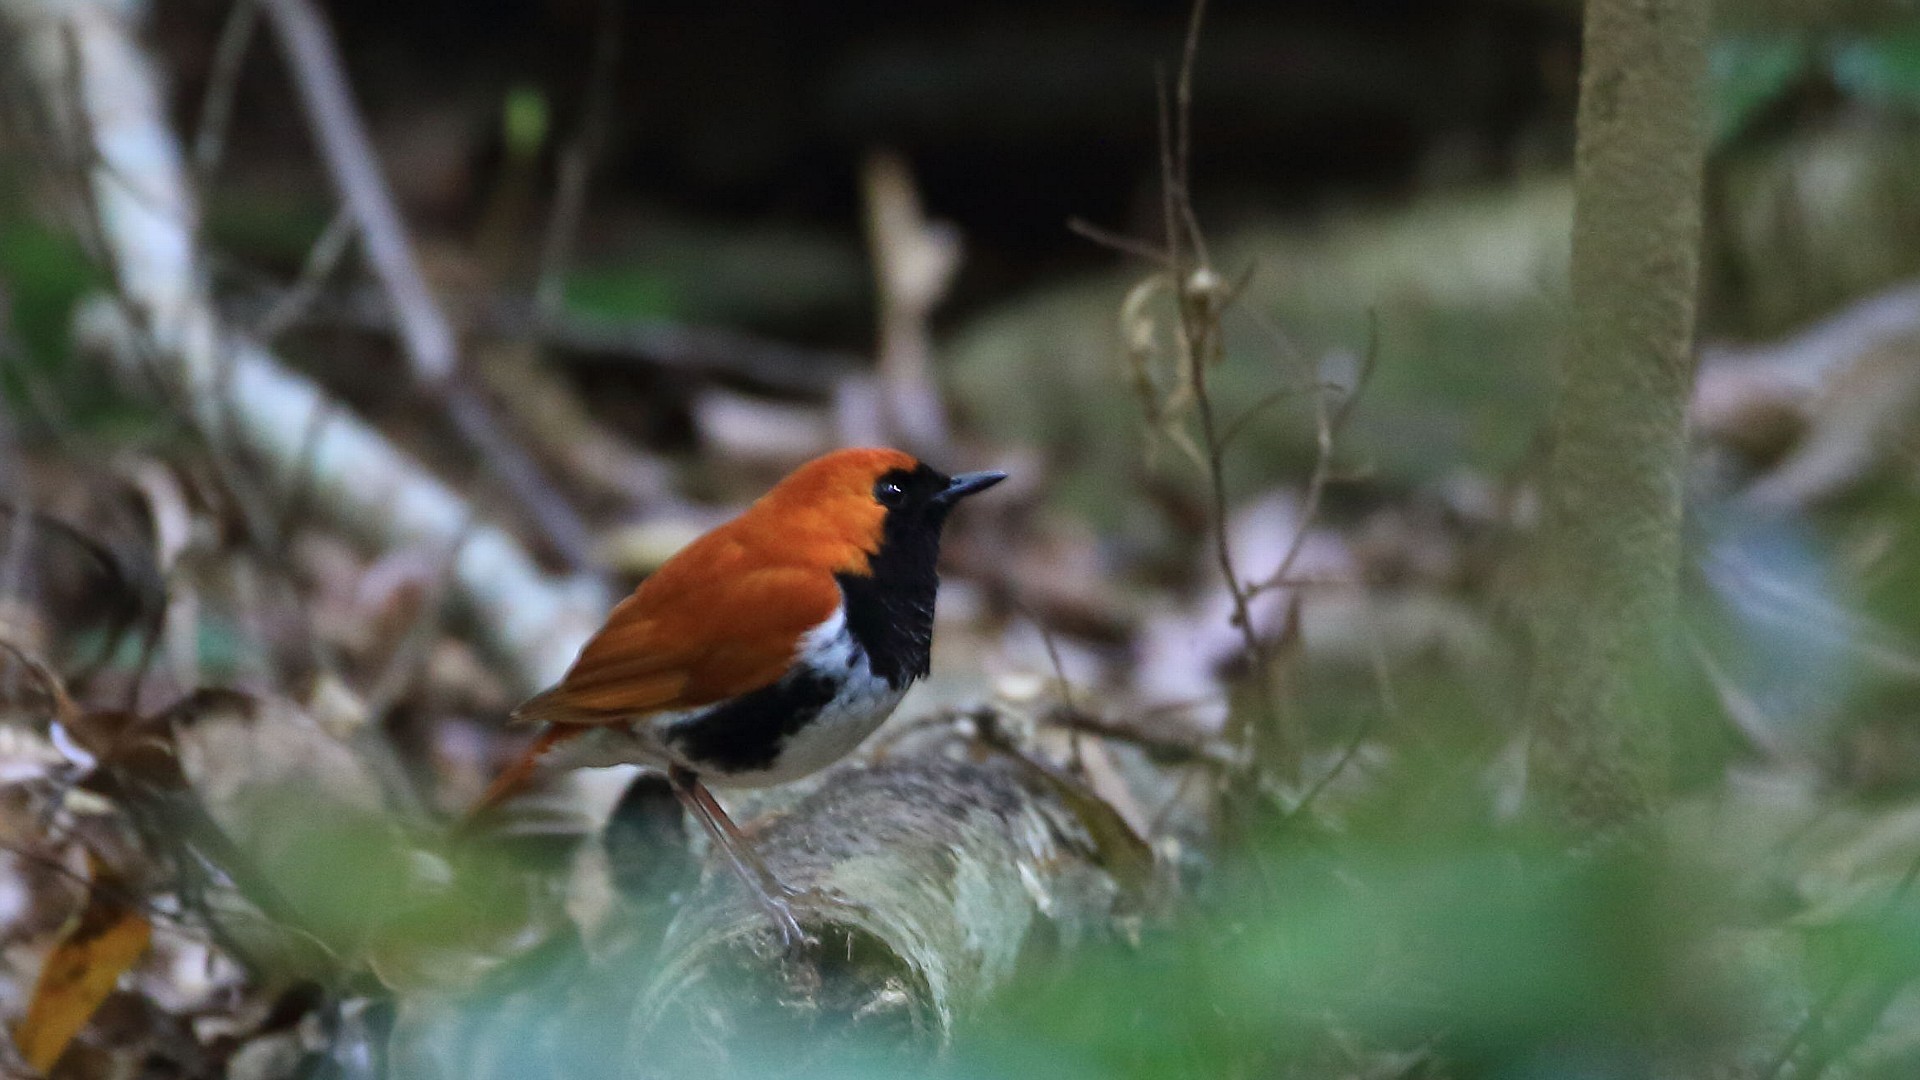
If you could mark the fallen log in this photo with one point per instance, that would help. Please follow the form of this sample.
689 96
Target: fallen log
927 884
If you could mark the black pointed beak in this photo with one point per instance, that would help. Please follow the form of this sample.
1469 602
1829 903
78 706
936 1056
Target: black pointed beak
967 484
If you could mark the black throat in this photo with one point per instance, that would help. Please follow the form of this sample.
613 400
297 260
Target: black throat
890 608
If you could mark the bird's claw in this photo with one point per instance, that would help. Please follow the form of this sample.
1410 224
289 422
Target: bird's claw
780 912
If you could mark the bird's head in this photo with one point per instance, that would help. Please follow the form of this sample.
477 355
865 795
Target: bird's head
872 500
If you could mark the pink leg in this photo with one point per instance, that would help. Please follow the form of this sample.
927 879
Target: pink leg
760 882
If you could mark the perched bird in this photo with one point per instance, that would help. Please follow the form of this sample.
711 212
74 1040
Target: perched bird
765 650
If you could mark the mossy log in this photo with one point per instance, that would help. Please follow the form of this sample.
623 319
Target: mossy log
928 882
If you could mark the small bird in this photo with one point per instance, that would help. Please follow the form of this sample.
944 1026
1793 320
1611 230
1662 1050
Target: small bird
765 650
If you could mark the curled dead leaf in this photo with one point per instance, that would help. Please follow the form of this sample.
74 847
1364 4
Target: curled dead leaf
107 938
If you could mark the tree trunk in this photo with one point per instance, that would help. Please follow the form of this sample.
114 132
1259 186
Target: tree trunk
1611 536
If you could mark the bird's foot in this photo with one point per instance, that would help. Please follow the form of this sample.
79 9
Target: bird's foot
779 909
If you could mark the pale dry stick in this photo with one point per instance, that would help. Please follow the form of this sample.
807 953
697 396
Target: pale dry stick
426 337
102 175
385 497
216 105
175 621
162 325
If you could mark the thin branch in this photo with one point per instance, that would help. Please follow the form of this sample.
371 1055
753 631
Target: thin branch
321 261
427 338
216 105
1183 118
1155 742
1327 428
588 340
1120 242
576 162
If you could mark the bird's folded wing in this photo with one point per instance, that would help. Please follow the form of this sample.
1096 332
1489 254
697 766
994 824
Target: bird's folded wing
691 635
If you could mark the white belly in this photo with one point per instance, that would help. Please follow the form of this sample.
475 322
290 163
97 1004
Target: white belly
861 704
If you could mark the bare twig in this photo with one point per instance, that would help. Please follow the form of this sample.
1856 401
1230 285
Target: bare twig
1120 242
425 334
216 105
1327 427
322 259
1201 298
576 161
587 340
1158 740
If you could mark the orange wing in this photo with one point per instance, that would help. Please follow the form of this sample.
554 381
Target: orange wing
715 622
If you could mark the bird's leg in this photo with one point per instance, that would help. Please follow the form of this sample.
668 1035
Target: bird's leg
768 890
718 815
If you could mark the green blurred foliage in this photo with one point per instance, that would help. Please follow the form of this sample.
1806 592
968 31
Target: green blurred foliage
1749 74
45 272
622 293
1884 68
1752 73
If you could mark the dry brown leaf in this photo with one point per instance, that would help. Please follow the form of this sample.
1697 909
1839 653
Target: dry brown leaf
108 937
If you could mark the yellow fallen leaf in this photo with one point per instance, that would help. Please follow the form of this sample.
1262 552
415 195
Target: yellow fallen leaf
79 974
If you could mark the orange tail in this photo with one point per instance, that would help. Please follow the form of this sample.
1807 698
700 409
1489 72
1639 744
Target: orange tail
515 776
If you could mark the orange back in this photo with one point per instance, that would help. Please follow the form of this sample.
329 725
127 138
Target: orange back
723 616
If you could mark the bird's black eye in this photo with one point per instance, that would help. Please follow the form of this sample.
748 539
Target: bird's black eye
889 492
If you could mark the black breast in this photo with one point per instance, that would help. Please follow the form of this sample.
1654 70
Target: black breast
890 608
746 733
889 614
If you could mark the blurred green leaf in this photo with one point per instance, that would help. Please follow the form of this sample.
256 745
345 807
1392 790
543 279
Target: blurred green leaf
524 121
622 293
272 226
45 273
1749 74
1884 68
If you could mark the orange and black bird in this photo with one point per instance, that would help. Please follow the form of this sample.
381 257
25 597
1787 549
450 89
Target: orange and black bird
765 650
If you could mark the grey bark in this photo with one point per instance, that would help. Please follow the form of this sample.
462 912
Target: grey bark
1611 539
